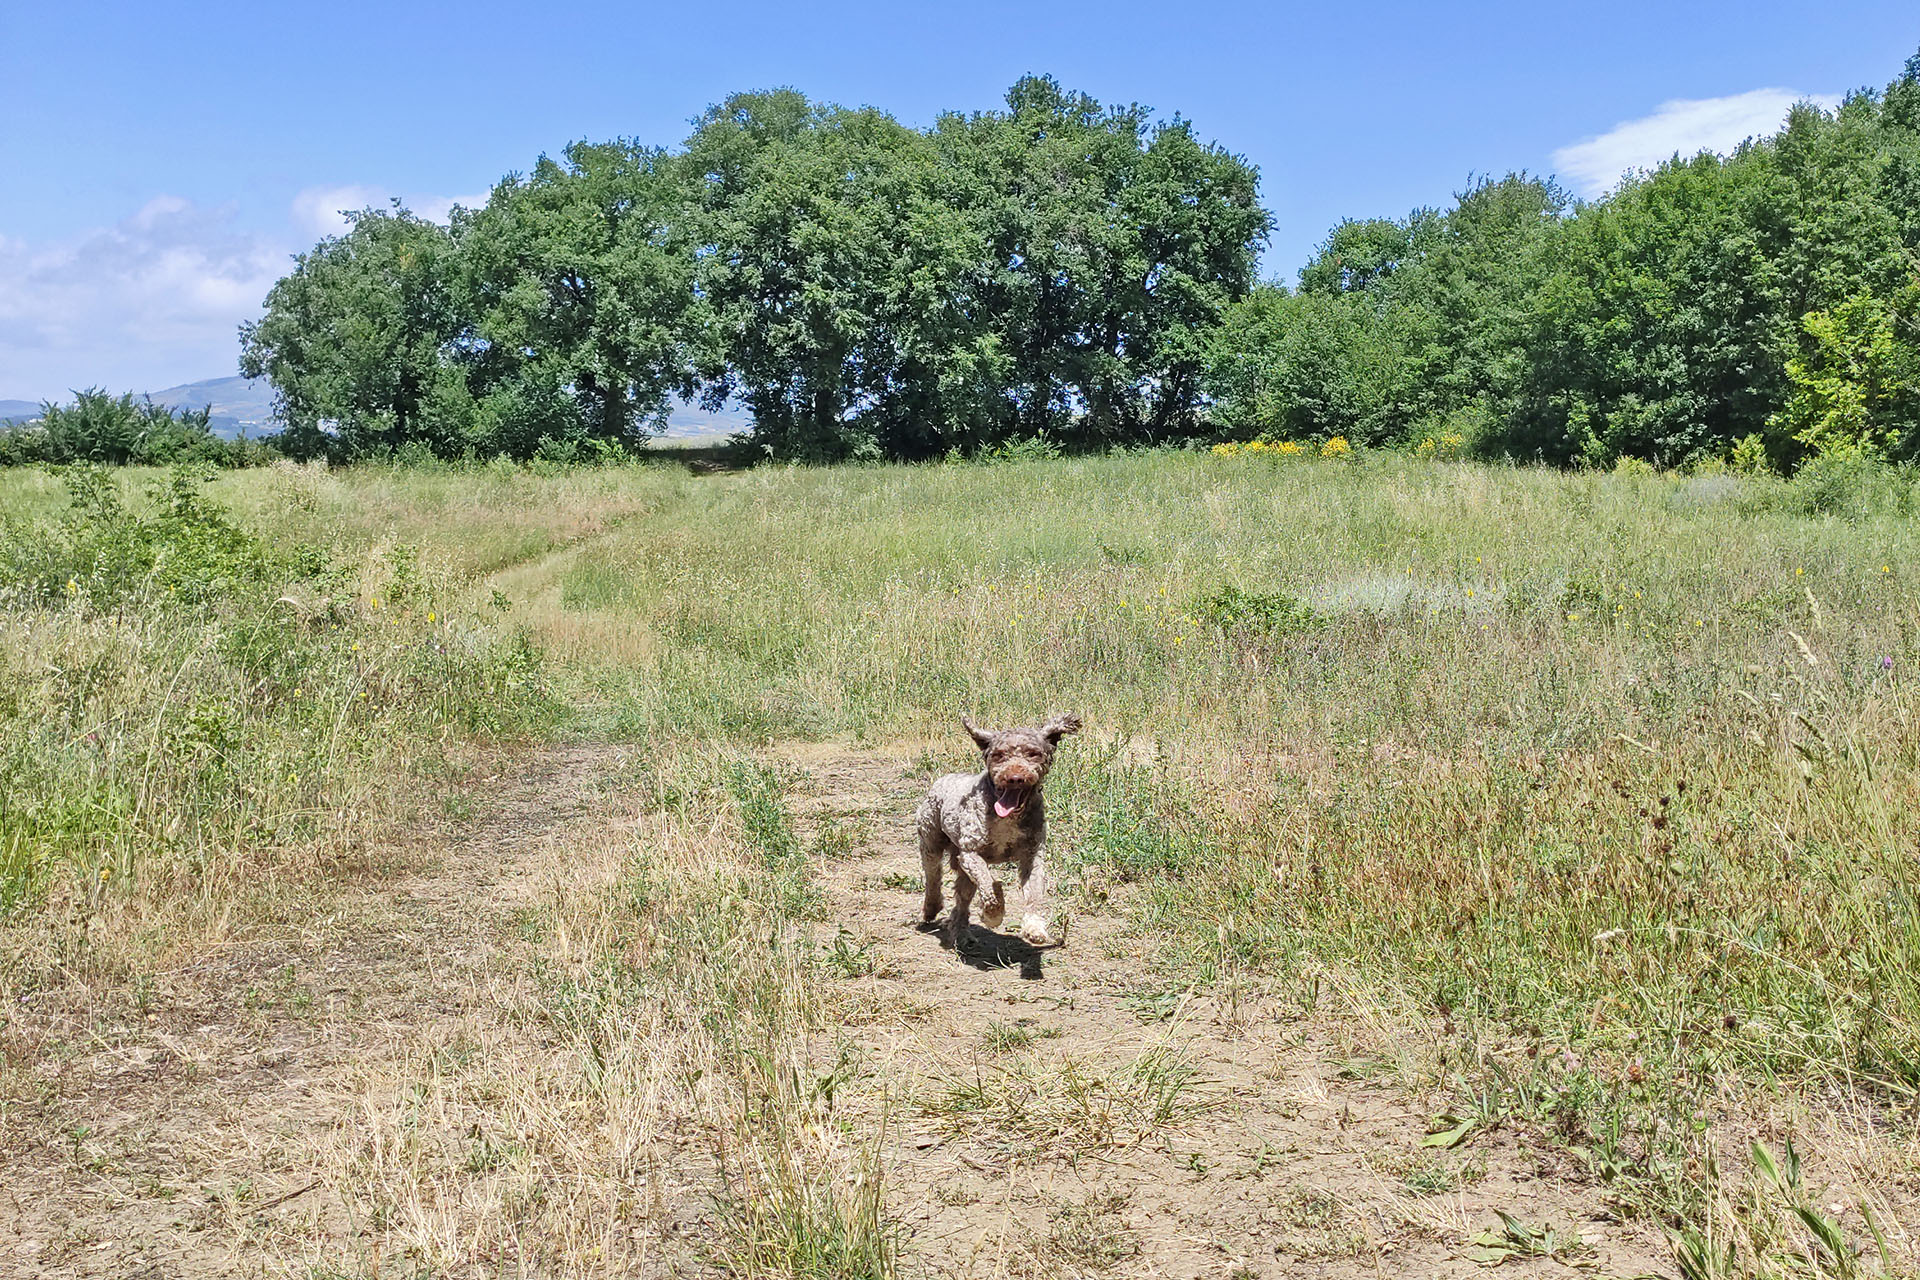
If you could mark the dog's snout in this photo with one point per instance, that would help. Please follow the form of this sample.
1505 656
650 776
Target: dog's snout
1018 775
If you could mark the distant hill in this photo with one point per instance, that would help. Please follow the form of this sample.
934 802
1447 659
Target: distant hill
240 405
245 405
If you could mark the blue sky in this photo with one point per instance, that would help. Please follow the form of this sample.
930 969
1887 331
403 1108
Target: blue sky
161 162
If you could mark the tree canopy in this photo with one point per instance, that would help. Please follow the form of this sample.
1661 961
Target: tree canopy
1766 297
864 288
1084 273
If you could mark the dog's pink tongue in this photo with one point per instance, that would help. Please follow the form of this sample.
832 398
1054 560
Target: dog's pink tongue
1004 809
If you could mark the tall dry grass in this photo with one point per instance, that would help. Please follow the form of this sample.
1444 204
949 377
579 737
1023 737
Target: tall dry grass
1607 781
653 1079
1602 785
194 720
1560 750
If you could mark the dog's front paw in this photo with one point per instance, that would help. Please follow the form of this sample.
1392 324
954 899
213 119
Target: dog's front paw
993 907
1033 931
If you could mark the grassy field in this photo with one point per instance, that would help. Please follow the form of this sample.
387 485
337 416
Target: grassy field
1596 796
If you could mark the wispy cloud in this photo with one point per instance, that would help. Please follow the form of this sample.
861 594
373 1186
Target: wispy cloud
151 301
321 211
1685 126
156 299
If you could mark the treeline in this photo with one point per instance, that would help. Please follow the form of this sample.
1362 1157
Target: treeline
864 288
1759 308
1062 271
119 431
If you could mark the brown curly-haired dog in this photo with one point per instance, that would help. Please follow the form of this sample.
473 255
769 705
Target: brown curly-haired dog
978 820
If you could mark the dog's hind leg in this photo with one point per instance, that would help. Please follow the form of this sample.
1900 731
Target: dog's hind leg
1033 899
933 858
963 890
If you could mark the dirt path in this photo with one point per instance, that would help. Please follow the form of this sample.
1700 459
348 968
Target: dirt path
1051 1114
1053 1129
175 1135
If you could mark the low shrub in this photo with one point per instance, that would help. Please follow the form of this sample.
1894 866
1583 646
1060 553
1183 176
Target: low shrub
1235 610
99 427
1850 484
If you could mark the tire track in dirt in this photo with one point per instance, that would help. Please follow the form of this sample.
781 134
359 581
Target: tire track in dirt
1030 1140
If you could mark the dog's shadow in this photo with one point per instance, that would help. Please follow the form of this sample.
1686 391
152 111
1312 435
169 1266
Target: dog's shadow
988 949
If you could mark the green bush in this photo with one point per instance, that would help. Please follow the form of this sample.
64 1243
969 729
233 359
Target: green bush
181 548
119 431
1262 613
1851 484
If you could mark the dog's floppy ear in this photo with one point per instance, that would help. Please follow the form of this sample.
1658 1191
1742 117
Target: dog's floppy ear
982 736
1059 725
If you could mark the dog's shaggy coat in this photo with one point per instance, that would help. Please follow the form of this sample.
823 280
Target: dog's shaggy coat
975 821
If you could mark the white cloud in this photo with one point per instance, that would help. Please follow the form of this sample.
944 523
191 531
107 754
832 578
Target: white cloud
156 299
150 302
1686 126
440 208
320 211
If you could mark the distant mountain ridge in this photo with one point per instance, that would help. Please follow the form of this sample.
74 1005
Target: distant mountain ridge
244 406
240 406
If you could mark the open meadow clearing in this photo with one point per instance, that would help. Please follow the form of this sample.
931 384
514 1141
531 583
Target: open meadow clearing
498 871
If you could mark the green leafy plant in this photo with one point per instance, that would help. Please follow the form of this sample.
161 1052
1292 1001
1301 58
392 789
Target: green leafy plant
1235 610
